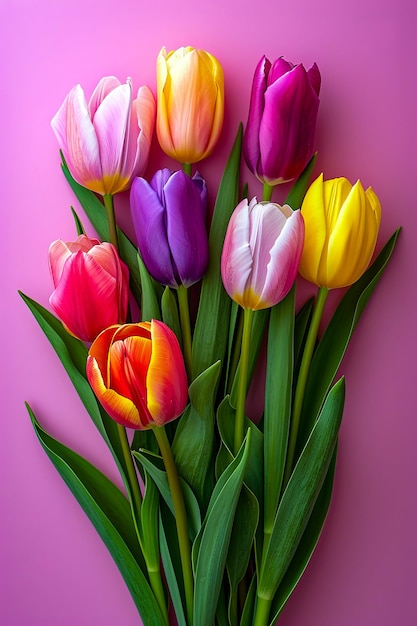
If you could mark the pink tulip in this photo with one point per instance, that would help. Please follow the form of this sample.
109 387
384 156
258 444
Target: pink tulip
106 141
91 286
261 253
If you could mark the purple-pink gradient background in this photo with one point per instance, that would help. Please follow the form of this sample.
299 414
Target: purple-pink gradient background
54 568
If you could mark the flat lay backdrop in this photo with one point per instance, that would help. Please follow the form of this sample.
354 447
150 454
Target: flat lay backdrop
54 569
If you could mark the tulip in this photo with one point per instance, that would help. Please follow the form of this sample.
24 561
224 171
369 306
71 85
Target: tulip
341 229
106 141
137 373
190 96
261 253
169 219
279 136
91 286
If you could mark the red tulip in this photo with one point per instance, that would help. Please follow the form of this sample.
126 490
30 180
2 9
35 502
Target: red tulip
91 286
138 374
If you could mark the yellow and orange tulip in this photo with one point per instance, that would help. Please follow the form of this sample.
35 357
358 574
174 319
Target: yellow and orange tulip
190 103
138 374
341 229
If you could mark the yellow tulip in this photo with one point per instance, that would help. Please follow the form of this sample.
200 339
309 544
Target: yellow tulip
341 228
190 103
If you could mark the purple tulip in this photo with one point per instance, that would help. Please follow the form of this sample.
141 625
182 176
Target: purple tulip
279 136
261 253
169 216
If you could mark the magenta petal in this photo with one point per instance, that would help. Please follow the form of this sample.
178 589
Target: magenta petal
256 109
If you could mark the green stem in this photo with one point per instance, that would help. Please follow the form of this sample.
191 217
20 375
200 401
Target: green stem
180 518
111 220
262 610
187 168
267 192
185 327
136 496
302 378
243 379
154 571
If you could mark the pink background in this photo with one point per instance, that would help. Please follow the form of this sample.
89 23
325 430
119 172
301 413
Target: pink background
55 569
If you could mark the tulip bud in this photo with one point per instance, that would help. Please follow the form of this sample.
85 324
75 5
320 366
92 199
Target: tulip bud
106 142
137 373
169 219
341 229
190 97
91 286
261 253
279 137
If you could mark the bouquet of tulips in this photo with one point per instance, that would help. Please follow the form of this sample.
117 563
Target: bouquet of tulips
219 515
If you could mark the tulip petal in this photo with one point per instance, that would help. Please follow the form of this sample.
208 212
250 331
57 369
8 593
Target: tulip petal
77 137
112 123
166 381
104 87
148 216
121 409
289 117
315 224
186 228
144 108
256 109
236 262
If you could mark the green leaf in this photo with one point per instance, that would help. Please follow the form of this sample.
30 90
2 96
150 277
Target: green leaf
331 349
254 470
73 355
241 541
109 512
154 465
171 560
296 196
149 522
194 437
150 308
301 493
278 396
302 323
213 541
95 212
307 544
78 224
212 323
170 315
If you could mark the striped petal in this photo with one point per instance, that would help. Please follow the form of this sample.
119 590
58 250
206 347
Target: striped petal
77 138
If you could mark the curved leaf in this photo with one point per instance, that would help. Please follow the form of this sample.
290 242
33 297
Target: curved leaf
109 512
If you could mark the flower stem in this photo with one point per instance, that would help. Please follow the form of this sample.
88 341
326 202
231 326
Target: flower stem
262 610
154 572
302 378
187 168
180 517
243 379
185 327
267 192
111 220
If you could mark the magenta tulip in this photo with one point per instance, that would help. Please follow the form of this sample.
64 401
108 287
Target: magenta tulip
261 253
279 136
91 286
106 141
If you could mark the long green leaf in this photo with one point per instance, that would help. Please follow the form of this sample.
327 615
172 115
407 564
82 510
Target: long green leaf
194 437
298 190
301 493
307 544
95 212
278 395
73 355
214 539
212 323
109 512
332 347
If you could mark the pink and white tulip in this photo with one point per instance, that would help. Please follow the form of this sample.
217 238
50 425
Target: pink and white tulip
261 253
91 286
106 141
